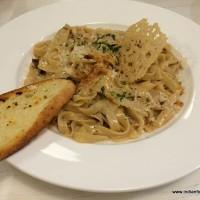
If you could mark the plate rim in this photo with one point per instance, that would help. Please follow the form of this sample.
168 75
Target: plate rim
9 160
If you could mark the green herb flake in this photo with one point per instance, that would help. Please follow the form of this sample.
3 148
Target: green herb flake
112 93
123 95
103 45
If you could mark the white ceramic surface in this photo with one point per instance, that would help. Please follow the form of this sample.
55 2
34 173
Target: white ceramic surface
133 166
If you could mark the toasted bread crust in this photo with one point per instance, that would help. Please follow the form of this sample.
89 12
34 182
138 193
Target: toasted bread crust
42 120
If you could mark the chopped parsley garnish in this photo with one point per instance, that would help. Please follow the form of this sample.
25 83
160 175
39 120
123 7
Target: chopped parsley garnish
102 44
106 47
114 47
108 35
122 95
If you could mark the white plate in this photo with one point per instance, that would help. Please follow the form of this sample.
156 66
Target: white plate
160 159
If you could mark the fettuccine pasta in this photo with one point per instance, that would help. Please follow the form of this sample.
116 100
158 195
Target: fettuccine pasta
126 80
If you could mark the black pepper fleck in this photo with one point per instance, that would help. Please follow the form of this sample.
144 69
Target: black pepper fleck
2 100
15 103
19 93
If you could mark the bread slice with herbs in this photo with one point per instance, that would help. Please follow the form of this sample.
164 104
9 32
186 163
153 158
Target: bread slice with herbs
25 111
